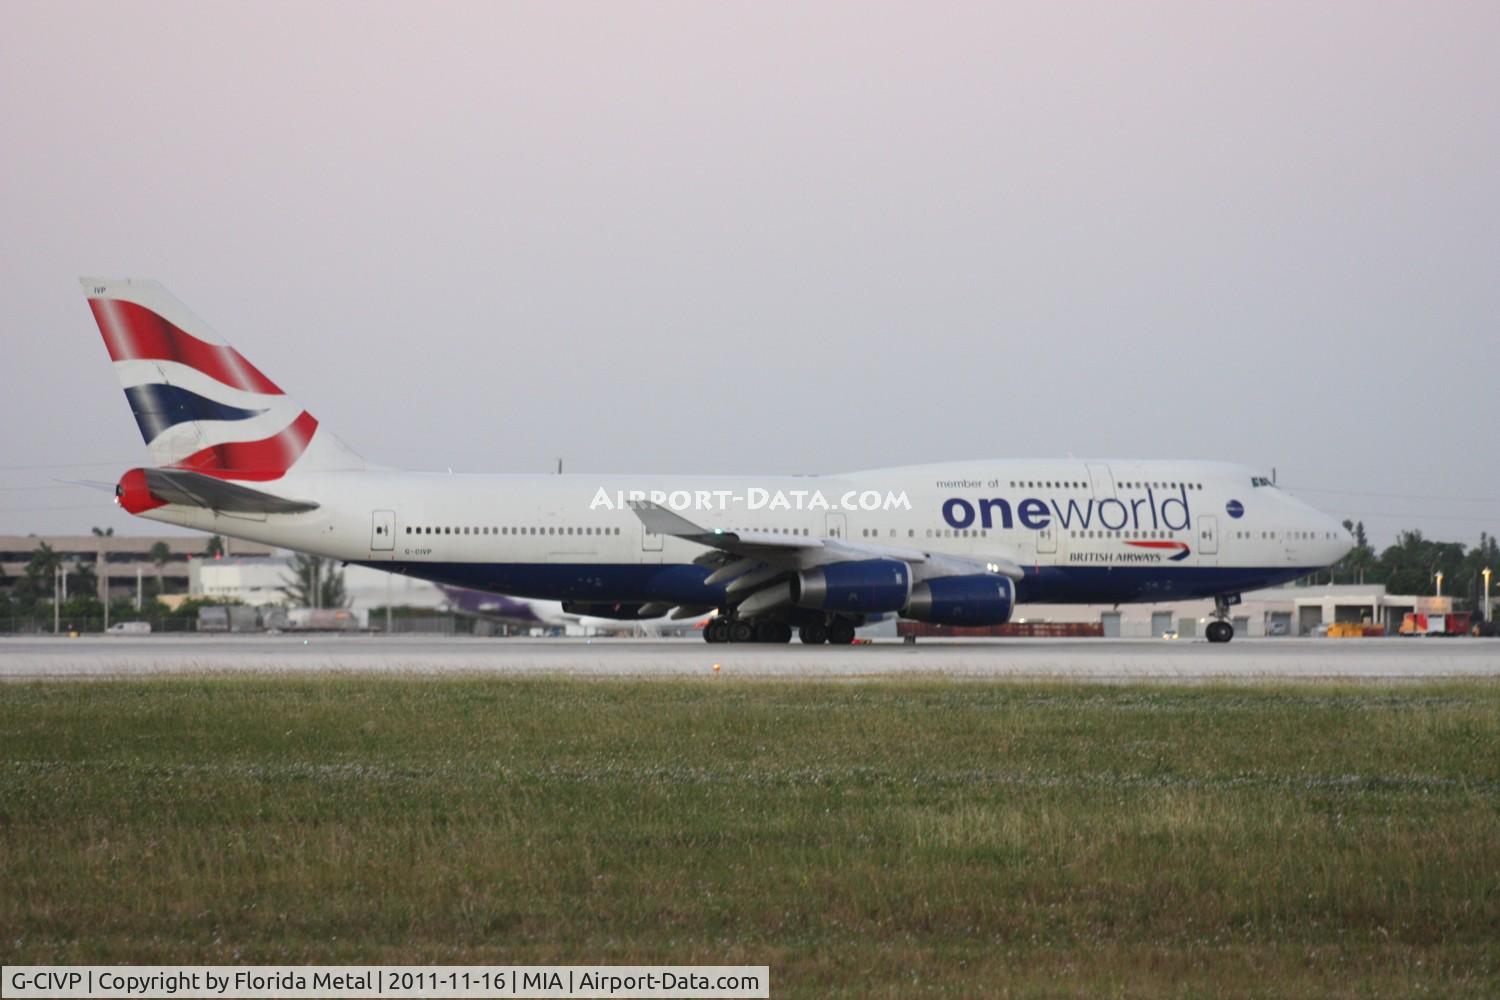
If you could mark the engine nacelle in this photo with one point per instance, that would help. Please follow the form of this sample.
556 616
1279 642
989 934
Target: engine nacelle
870 585
962 600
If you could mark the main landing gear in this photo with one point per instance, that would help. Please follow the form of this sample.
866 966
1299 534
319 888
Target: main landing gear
1220 630
813 631
838 632
741 630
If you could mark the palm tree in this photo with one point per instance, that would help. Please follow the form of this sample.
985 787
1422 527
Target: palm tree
102 567
160 554
314 583
41 567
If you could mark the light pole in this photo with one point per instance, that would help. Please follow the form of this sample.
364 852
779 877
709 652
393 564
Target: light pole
1486 573
1439 576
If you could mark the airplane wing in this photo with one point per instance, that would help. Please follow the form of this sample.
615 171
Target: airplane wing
757 563
802 552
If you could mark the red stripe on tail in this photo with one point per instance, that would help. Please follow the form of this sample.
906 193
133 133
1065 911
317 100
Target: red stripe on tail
268 458
133 332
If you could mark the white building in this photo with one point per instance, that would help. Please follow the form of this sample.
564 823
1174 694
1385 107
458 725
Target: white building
1278 611
259 582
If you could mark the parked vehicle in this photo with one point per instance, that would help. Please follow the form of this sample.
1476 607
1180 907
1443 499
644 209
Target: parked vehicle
321 620
129 628
228 618
1418 623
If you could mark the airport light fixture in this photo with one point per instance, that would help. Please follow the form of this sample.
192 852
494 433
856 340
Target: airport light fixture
1439 577
1486 573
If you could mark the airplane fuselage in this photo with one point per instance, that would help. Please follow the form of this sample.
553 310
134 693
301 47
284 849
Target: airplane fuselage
1084 532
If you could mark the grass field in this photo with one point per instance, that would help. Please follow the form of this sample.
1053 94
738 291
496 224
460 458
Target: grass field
862 839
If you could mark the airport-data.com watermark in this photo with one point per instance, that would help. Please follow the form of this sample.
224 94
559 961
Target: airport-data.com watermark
754 498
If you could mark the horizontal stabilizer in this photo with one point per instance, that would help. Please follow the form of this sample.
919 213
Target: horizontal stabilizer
193 489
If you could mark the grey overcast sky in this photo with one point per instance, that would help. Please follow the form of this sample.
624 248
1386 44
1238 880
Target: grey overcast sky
777 238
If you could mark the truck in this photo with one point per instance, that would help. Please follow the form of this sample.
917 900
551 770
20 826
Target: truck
321 620
1422 623
228 618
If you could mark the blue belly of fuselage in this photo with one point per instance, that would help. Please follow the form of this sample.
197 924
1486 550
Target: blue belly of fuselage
683 584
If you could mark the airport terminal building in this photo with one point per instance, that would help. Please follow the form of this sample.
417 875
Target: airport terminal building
125 561
1279 611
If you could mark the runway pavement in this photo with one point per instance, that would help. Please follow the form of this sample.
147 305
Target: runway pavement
1082 659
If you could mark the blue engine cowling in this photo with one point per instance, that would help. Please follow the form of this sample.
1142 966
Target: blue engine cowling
962 600
870 585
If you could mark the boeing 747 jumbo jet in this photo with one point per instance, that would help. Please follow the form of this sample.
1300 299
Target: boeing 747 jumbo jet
959 543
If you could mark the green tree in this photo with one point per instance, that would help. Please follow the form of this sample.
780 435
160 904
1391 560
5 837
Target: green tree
215 548
315 583
1412 564
104 560
36 583
160 554
1361 560
82 579
1470 580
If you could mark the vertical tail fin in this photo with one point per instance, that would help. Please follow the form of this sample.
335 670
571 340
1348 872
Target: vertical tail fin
199 404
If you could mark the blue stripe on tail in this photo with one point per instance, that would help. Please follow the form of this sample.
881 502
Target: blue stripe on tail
159 407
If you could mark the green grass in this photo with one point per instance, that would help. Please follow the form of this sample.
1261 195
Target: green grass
862 839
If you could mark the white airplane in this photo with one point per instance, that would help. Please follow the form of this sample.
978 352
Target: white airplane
957 543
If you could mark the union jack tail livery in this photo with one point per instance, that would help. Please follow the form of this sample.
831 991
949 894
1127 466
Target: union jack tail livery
200 405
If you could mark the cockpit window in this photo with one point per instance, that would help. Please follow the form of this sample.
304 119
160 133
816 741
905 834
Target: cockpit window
1259 481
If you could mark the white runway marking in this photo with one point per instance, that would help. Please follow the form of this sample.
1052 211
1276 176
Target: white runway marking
1081 659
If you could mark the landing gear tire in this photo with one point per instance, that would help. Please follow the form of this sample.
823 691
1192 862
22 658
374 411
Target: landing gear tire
1220 629
716 631
783 632
813 633
741 631
841 632
1219 632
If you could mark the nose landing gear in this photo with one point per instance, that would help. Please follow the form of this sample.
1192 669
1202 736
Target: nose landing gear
1220 629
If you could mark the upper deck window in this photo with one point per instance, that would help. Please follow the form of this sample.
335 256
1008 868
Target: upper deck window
1258 481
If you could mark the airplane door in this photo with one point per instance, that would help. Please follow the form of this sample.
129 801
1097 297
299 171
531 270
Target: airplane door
1102 480
650 545
1046 540
837 526
1208 536
383 531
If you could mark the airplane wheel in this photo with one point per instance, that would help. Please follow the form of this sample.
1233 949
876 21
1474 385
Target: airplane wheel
716 631
783 633
1219 631
741 631
813 633
841 632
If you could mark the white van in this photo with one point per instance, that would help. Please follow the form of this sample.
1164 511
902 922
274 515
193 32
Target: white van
129 628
